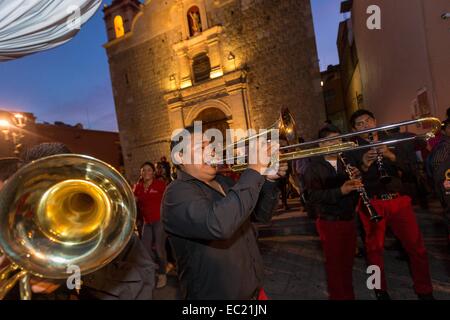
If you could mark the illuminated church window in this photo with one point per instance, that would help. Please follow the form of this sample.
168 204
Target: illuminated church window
195 21
201 67
118 26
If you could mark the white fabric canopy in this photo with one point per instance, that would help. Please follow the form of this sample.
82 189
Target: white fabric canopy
28 26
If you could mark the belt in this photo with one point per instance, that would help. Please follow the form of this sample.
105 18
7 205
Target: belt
387 196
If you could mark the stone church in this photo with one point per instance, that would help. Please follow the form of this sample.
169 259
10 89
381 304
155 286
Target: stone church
230 63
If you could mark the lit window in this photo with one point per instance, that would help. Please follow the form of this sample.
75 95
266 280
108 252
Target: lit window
118 26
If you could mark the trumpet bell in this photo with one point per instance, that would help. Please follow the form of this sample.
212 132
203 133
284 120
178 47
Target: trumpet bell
65 210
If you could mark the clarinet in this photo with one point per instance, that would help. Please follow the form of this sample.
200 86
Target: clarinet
369 209
385 178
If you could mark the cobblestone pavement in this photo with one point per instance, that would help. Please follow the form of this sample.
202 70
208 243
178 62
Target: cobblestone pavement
294 262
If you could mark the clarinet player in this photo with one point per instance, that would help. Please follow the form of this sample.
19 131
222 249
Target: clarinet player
391 203
331 194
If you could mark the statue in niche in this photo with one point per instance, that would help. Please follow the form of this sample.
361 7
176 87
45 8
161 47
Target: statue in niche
195 23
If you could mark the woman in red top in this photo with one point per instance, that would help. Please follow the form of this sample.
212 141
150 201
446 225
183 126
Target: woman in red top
148 192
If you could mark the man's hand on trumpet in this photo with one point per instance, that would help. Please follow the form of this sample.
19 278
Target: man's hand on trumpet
281 173
266 164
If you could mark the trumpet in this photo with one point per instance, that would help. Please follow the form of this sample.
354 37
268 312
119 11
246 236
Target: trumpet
59 212
369 209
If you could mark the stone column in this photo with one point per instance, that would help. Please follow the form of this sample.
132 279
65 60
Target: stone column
185 69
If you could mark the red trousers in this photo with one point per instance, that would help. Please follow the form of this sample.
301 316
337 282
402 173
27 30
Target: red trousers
398 214
262 295
339 243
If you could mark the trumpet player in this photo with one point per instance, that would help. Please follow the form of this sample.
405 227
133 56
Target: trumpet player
330 192
391 203
208 221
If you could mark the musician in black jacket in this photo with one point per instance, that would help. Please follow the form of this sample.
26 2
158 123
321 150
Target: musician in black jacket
331 194
390 201
208 219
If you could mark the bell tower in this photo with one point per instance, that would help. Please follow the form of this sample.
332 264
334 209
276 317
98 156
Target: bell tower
119 16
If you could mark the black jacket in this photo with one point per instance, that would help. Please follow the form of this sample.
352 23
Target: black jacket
323 191
130 276
212 235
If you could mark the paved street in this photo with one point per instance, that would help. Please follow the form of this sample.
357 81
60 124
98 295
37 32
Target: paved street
294 261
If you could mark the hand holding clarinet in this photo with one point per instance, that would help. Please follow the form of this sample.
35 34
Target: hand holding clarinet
355 176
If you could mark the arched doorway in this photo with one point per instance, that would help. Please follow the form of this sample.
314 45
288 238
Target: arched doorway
213 118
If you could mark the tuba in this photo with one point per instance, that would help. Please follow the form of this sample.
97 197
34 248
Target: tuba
61 212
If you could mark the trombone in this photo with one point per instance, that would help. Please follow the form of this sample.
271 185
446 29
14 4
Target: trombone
286 125
61 212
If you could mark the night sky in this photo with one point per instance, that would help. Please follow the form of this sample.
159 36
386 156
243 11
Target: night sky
72 83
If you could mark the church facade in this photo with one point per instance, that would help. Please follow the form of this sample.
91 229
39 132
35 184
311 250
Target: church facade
230 63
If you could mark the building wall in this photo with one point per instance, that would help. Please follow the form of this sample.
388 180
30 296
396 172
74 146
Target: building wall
102 145
354 96
437 32
410 53
274 64
333 94
99 144
349 69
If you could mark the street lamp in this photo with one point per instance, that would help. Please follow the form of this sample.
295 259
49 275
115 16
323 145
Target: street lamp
12 125
4 126
4 123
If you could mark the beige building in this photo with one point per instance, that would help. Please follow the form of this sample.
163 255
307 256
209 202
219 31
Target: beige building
351 83
404 66
231 63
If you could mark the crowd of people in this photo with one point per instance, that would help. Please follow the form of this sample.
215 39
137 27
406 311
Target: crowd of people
200 223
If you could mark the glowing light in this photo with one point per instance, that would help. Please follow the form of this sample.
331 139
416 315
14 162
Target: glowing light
4 123
321 83
186 84
118 26
216 74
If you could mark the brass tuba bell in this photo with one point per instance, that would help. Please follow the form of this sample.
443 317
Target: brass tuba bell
63 211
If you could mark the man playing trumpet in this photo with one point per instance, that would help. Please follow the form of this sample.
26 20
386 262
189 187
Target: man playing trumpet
208 220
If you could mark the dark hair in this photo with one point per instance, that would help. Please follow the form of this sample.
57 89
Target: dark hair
148 163
44 150
178 138
445 124
448 113
327 130
8 166
359 113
